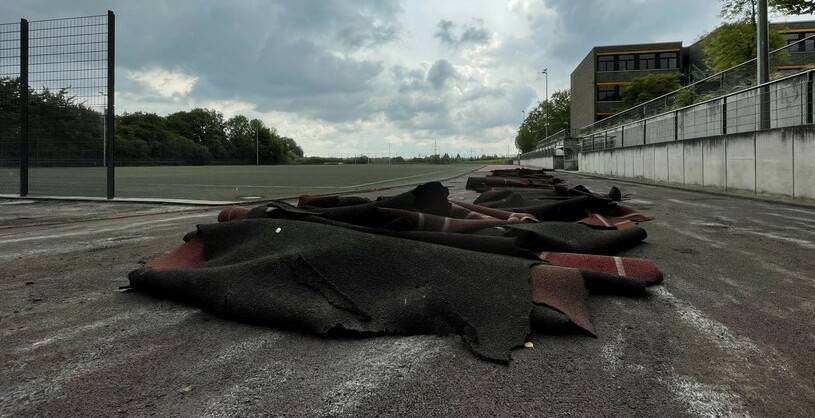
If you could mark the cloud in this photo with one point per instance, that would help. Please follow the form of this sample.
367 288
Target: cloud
440 72
164 82
473 33
445 32
355 76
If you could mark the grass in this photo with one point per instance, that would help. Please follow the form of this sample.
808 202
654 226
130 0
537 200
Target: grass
225 182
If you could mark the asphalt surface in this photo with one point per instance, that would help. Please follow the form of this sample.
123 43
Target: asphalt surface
730 333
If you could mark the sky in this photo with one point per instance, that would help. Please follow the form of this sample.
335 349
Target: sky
359 77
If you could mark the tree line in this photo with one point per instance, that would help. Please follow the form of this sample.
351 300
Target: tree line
197 137
65 131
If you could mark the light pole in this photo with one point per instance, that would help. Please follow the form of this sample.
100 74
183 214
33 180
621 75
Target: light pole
257 145
546 103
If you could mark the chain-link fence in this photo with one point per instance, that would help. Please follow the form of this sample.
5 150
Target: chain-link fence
58 113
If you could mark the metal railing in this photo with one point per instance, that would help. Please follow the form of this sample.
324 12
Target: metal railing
57 76
788 101
552 139
736 78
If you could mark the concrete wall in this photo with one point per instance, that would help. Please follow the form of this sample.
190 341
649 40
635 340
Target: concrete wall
542 162
778 161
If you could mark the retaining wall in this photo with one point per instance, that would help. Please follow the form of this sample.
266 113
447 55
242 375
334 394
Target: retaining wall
777 161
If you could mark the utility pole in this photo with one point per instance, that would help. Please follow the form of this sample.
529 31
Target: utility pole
545 73
762 61
257 145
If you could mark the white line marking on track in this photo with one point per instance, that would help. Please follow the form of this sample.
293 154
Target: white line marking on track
706 400
712 242
792 218
373 368
713 330
612 351
102 355
91 230
778 237
697 204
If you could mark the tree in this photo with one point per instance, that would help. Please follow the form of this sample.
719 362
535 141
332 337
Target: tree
204 127
794 7
739 10
241 136
734 43
526 139
550 116
66 132
145 138
745 10
651 86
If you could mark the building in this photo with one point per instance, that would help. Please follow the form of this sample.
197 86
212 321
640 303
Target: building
599 81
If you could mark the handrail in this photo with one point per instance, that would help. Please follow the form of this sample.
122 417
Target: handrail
757 86
561 134
806 74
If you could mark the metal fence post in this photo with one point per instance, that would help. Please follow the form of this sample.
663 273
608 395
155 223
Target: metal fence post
809 102
644 135
110 116
23 107
762 62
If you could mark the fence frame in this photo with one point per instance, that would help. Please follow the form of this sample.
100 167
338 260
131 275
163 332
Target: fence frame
24 131
110 115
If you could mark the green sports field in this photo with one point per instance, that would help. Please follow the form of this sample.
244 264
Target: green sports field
226 183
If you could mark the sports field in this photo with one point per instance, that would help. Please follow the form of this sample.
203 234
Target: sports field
226 183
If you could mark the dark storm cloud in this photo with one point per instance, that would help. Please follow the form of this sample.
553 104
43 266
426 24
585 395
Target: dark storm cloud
473 33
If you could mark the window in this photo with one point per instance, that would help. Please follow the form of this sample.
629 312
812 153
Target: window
605 63
648 61
608 93
799 46
791 38
668 60
809 44
626 63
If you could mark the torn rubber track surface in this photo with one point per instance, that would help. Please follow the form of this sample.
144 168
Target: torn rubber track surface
319 278
414 263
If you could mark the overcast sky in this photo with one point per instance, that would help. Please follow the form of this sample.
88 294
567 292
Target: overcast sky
348 77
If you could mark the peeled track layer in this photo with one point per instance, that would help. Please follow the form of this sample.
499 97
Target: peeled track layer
319 278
